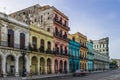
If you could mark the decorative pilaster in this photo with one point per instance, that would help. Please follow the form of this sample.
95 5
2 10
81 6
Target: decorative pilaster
38 67
45 67
4 66
53 67
16 67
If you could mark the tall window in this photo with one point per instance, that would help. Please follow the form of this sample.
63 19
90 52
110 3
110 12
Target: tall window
73 38
61 20
60 33
56 31
41 19
65 50
41 45
22 40
56 17
34 42
65 23
61 49
49 45
10 38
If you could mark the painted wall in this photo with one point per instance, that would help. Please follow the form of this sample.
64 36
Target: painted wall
74 55
90 56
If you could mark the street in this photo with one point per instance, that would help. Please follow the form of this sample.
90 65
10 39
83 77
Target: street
108 75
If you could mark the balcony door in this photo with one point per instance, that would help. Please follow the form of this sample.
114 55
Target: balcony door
10 38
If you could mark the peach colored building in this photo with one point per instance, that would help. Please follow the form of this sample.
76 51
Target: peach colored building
60 31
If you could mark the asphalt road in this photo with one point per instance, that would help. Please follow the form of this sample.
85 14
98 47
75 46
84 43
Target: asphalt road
107 75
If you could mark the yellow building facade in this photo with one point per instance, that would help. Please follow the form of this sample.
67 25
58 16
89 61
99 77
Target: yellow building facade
41 46
82 39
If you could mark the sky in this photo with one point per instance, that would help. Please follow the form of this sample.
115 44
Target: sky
94 18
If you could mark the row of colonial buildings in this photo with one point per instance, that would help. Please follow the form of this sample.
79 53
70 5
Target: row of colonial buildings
42 33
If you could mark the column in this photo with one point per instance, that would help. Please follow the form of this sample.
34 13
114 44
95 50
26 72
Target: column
26 40
63 67
53 67
27 63
38 66
68 66
45 66
16 67
4 66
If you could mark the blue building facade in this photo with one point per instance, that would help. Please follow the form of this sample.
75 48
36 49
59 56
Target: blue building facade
74 55
90 56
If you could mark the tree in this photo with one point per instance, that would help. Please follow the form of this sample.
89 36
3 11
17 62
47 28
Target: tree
113 64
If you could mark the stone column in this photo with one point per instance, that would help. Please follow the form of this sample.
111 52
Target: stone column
38 66
63 67
4 66
45 66
53 67
16 67
27 63
27 40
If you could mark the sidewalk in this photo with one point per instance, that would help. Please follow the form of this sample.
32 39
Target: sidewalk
48 75
36 76
44 76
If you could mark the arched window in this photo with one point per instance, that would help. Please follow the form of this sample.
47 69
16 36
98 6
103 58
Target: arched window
34 43
56 17
10 38
65 50
22 41
61 49
60 33
41 45
49 45
56 31
61 20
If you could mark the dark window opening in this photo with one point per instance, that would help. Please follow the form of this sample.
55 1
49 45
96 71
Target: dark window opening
22 41
42 45
10 38
34 43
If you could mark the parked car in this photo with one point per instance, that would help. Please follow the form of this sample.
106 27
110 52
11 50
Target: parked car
80 72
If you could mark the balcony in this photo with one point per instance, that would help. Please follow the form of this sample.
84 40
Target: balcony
84 46
12 46
48 51
58 22
83 58
62 37
55 52
41 50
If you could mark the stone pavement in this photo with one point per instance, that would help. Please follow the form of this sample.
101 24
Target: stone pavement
40 76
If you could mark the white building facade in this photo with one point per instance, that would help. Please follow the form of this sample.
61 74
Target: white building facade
101 60
14 36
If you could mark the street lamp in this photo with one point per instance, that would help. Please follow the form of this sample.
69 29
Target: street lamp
23 52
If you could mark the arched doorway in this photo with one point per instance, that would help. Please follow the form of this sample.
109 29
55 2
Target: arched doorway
34 65
49 66
42 65
61 66
65 66
21 65
10 65
56 66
